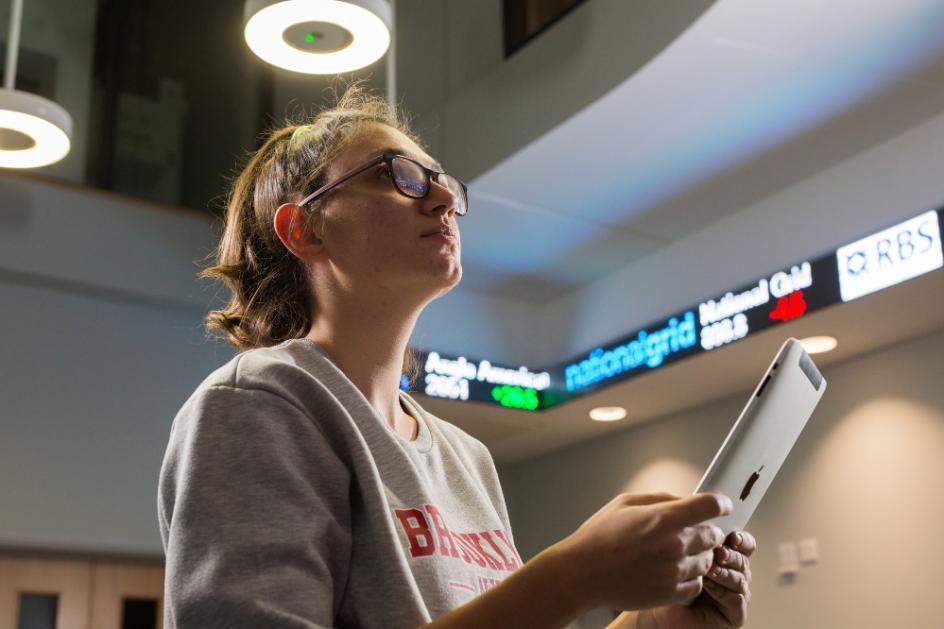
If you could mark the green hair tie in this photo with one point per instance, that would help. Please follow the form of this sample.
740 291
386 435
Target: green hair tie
298 132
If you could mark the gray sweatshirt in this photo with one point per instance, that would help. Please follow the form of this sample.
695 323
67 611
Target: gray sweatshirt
285 500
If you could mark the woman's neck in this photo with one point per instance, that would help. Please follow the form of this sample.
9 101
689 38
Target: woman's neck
367 342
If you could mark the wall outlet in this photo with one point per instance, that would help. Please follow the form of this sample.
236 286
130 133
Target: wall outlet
809 550
789 563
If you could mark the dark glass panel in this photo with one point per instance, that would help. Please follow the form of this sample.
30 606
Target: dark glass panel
139 613
38 611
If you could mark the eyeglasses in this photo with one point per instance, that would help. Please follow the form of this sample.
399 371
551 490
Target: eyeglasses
409 177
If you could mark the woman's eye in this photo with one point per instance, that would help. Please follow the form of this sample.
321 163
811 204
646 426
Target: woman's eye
383 172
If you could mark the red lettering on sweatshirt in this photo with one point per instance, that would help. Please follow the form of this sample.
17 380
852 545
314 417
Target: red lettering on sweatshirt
421 540
476 545
476 557
486 583
425 535
510 565
504 537
463 553
447 547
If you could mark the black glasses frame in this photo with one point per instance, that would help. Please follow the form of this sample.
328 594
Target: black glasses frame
388 157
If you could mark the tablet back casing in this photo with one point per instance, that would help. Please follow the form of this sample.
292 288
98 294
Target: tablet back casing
764 434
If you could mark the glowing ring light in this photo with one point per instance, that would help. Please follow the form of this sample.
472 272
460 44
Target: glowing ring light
34 131
318 36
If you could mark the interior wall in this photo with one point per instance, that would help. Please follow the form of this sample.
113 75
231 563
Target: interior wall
442 46
864 479
99 297
90 387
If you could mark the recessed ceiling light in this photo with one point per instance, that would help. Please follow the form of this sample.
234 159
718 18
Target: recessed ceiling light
819 344
608 413
324 37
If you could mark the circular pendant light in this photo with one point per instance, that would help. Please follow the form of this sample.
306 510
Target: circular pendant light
318 36
34 131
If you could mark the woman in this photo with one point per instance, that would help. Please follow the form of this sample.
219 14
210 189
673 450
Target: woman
303 488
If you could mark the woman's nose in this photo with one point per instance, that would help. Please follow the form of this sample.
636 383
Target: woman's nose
440 198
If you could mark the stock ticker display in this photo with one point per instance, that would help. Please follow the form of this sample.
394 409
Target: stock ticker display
885 258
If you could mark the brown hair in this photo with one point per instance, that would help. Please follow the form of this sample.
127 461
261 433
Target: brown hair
271 298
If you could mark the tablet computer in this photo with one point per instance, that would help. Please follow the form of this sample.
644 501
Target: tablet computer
764 433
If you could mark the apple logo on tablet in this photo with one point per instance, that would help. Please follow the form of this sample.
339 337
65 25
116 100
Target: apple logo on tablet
750 483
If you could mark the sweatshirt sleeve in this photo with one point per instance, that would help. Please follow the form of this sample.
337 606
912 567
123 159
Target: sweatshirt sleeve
254 513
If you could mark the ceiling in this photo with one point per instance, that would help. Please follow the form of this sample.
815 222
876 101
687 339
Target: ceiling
752 98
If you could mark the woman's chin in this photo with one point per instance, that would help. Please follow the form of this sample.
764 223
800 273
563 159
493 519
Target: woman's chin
457 275
446 279
448 269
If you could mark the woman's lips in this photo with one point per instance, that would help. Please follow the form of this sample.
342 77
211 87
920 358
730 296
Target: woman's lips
443 231
444 236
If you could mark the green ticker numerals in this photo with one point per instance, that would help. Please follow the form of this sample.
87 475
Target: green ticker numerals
516 397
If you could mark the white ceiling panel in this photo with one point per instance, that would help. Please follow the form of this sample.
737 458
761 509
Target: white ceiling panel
511 243
752 98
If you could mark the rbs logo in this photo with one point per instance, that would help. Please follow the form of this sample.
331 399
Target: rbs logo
890 256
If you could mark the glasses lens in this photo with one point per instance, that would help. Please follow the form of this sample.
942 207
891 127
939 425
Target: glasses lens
409 178
458 191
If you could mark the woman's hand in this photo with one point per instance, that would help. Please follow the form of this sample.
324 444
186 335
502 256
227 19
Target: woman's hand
643 551
726 595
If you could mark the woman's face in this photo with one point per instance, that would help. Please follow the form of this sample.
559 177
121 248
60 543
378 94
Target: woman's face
373 234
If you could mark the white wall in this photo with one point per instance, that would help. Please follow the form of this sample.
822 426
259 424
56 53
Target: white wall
865 478
90 384
101 314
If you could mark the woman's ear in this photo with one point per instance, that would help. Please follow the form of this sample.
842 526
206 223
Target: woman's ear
289 224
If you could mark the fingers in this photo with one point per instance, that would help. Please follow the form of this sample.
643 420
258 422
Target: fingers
695 566
742 541
729 584
687 590
727 558
723 571
702 537
730 579
732 604
646 499
698 508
